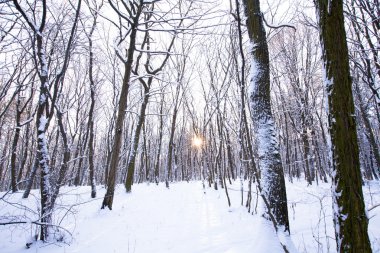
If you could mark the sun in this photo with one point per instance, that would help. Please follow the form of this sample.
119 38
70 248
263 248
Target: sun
197 141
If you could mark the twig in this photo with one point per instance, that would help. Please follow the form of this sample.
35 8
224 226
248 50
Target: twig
373 207
277 26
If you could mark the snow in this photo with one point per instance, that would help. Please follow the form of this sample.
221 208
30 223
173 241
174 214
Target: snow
267 146
182 219
255 71
42 126
316 229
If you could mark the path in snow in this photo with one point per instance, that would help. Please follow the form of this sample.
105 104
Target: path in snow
155 219
181 219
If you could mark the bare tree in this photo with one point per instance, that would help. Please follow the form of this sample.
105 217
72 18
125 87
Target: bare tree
133 10
43 115
90 123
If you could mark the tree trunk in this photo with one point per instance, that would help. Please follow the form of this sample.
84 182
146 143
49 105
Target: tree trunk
170 148
272 180
351 222
14 147
90 123
160 133
135 141
368 127
32 175
111 179
64 164
25 153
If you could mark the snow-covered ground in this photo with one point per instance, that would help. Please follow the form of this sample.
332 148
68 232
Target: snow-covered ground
310 215
184 218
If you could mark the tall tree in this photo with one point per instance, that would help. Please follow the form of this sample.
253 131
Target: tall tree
146 85
42 149
43 114
351 222
134 9
269 161
90 123
20 108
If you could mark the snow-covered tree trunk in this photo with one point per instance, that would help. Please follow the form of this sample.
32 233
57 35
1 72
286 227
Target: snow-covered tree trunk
269 161
351 222
42 149
42 120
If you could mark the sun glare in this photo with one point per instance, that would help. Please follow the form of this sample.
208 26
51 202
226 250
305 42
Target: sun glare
197 141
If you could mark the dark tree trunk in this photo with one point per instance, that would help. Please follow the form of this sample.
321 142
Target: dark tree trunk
26 148
90 123
135 141
30 180
78 152
230 157
170 148
351 222
14 147
368 127
118 136
160 133
64 164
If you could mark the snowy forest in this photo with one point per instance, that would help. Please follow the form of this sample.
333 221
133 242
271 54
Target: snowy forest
189 126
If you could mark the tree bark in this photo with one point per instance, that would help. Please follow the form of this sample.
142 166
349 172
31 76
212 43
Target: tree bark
351 222
90 123
367 124
269 161
135 140
160 133
170 148
118 136
30 181
14 147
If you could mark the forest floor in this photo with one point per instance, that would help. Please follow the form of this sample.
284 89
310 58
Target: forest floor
184 218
